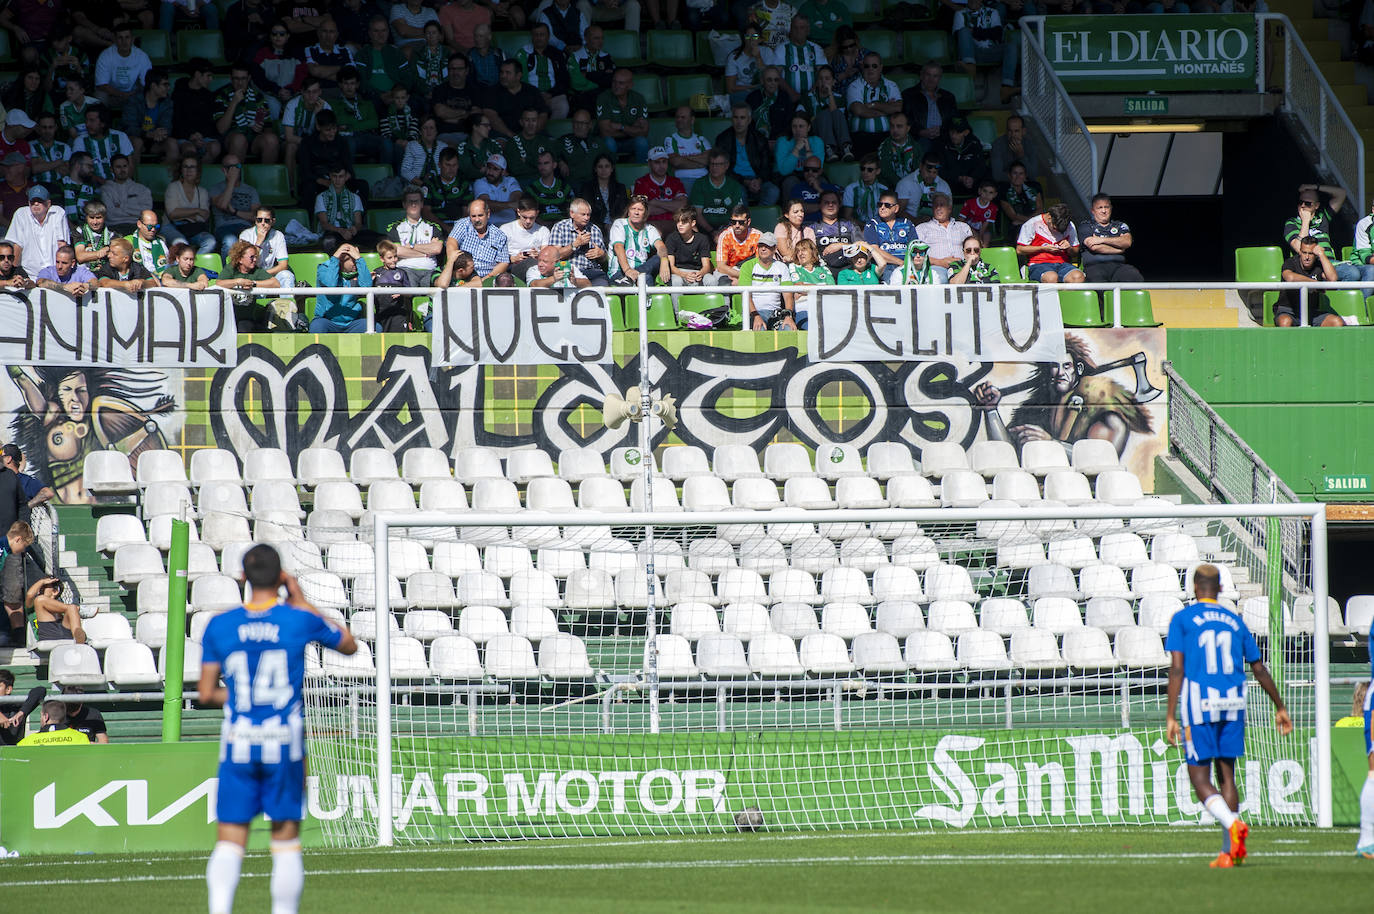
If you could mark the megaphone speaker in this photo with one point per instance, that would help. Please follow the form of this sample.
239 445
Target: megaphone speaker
666 410
617 408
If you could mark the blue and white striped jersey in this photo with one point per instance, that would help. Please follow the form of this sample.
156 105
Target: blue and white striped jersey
261 654
1216 647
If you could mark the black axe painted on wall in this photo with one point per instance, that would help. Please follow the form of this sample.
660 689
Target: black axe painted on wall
1144 390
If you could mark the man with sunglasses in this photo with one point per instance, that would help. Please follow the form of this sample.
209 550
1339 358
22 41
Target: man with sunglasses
809 189
871 101
737 243
271 244
972 269
1315 220
861 197
834 234
37 231
716 195
888 235
13 277
149 247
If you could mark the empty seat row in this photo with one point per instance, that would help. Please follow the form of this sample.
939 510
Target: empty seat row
457 657
128 664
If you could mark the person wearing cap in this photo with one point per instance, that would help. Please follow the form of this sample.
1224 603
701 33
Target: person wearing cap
13 277
963 163
888 235
637 247
36 231
498 189
929 107
120 68
665 193
488 245
65 275
765 268
944 234
14 193
860 271
14 135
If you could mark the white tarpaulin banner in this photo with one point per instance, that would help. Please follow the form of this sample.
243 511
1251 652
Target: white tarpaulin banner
920 323
522 326
169 328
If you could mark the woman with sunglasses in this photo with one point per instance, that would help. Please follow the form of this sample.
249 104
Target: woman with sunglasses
243 274
744 66
848 59
972 270
264 235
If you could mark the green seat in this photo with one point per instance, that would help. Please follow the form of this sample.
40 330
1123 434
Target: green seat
616 304
765 218
200 43
680 89
6 54
1261 264
373 261
984 127
712 127
1005 262
662 315
379 220
961 86
510 43
303 266
865 10
211 176
1347 253
1348 303
284 217
156 44
842 173
372 172
923 47
1136 310
629 172
560 127
651 87
672 48
1080 307
623 46
886 44
270 181
211 262
155 178
659 128
904 81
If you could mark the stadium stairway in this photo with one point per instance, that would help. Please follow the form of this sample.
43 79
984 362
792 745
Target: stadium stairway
1202 308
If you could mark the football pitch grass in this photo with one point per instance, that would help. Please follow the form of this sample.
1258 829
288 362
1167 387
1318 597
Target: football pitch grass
1090 870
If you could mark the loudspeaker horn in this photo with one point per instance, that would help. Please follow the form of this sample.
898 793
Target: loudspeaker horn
617 409
666 410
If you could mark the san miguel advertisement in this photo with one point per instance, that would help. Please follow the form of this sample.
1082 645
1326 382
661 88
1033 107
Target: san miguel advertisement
1179 53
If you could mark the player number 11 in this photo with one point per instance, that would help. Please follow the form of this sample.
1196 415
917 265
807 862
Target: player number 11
1215 641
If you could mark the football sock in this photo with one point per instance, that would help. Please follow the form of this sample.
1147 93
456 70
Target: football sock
222 876
1367 811
1222 813
288 876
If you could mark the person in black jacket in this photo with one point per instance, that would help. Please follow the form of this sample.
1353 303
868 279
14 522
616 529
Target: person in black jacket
606 195
12 501
962 159
929 107
755 170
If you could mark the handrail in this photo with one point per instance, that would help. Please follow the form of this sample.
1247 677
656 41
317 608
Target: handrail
1044 98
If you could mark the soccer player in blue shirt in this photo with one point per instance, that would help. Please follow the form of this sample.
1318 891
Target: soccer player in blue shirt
1365 848
1210 645
260 649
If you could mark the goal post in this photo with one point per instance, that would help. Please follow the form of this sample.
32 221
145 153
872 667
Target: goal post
813 724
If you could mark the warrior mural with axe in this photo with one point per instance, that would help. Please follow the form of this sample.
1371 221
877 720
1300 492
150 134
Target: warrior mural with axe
1070 401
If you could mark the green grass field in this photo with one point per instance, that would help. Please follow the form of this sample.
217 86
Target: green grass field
1090 870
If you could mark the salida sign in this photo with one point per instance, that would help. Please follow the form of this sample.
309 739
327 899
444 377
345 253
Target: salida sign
1138 53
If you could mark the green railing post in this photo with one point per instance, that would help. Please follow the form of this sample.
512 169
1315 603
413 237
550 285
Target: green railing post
176 631
1274 561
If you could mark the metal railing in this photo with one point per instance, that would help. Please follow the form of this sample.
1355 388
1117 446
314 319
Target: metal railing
1309 99
1047 102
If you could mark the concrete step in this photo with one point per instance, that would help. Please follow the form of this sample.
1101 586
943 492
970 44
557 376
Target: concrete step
1324 51
1193 309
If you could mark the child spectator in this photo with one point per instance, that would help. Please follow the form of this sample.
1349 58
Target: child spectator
980 212
394 310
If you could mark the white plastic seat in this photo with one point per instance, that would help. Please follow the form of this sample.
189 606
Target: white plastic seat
1016 485
562 657
481 588
267 464
219 530
527 464
365 591
745 620
774 655
315 465
666 556
1010 530
711 556
389 495
755 494
878 654
722 657
1228 582
443 495
471 464
917 551
1176 549
664 495
1092 456
1043 457
167 498
426 624
992 457
231 556
807 492
1056 614
899 617
456 559
533 587
1034 649
684 461
221 497
108 473
887 459
367 465
741 585
612 556
299 556
213 593
687 585
1254 612
274 496
495 495
897 582
732 462
1140 647
674 658
430 590
981 651
357 665
941 457
511 657
104 629
834 461
1118 487
160 531
795 620
1068 486
363 624
814 555
152 595
339 496
482 623
1305 622
549 493
407 657
75 664
1089 649
560 558
866 553
693 620
534 622
929 652
738 533
135 562
786 460
824 654
324 589
1003 615
1011 554
949 582
190 662
1051 580
1103 580
951 617
115 530
455 657
592 589
627 464
705 493
845 585
602 493
1156 610
578 463
506 559
422 464
632 589
160 466
130 665
962 489
1124 549
1158 579
848 620
861 492
349 560
405 558
1359 613
1109 614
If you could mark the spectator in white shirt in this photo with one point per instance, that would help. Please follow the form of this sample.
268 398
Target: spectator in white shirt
120 68
944 234
499 189
271 244
525 235
37 233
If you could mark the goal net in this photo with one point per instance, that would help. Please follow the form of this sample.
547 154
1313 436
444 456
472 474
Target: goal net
597 675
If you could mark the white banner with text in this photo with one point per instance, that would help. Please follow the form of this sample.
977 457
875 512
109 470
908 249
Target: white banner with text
522 326
923 323
169 328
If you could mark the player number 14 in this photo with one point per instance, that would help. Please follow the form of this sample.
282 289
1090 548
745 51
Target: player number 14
270 685
1215 642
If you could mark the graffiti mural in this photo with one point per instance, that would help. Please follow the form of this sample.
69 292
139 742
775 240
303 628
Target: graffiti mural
293 393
